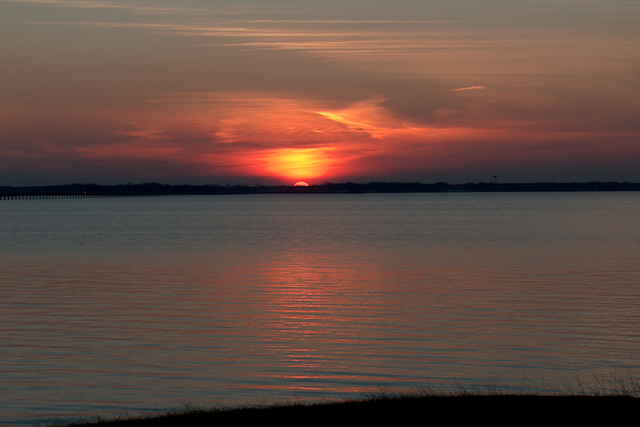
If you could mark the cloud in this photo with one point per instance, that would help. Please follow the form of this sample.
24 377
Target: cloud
460 89
88 4
443 112
411 47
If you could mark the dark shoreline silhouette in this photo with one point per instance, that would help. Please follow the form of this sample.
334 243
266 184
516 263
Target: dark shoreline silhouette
156 189
461 410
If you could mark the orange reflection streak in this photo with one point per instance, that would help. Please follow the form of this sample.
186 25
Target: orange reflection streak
307 301
325 322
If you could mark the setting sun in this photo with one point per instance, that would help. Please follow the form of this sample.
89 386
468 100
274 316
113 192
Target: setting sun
298 163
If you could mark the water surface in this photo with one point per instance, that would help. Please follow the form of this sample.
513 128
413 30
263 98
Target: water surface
131 304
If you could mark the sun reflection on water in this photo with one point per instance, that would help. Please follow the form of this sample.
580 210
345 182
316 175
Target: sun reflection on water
294 310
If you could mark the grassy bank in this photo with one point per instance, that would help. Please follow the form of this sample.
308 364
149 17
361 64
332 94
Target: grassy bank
419 409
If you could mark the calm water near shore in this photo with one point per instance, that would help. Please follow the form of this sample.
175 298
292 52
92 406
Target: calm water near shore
131 304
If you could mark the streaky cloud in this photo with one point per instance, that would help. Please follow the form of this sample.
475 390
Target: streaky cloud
97 4
460 89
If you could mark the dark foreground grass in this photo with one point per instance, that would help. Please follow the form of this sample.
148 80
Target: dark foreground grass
395 410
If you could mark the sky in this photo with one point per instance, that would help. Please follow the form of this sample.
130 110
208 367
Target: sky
277 91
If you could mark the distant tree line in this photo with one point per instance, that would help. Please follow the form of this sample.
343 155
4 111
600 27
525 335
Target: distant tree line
154 188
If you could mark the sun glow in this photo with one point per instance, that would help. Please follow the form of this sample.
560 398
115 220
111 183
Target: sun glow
298 163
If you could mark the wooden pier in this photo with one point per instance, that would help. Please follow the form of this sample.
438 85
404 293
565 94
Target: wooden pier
68 196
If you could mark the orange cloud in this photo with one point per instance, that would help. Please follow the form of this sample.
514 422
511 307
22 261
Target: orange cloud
269 137
294 163
467 88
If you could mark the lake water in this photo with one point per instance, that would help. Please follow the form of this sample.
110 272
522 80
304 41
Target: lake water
136 304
